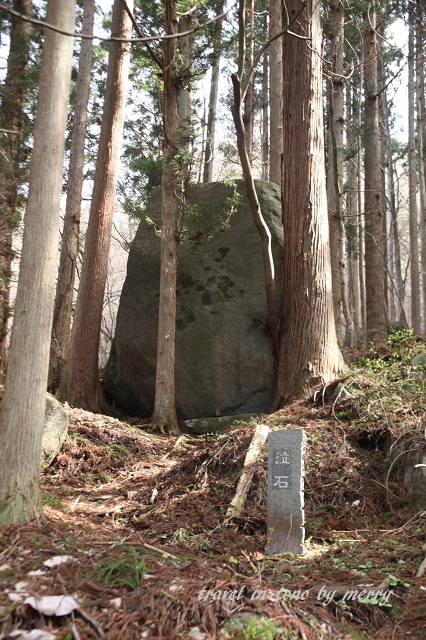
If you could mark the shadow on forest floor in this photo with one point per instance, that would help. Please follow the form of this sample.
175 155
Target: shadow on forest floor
142 518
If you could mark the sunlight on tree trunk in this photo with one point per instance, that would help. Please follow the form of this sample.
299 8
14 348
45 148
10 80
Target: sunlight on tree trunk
164 416
412 185
374 265
24 399
275 93
71 233
309 353
214 90
80 384
13 94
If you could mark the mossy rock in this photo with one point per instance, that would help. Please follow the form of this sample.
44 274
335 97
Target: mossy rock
217 424
419 362
224 354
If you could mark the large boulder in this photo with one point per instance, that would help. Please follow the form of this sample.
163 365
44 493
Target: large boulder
55 430
224 355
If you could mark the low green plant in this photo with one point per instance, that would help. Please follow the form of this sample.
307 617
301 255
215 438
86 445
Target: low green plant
260 629
51 500
124 567
376 601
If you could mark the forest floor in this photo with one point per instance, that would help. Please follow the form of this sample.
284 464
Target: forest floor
141 518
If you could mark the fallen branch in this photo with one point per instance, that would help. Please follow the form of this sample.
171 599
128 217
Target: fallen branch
92 622
255 448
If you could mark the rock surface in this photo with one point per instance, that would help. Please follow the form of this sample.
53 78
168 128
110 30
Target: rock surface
419 361
217 425
224 357
55 430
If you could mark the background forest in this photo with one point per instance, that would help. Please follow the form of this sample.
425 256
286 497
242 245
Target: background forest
108 107
179 94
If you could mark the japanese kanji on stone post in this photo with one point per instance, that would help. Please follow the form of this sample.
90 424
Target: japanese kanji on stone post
286 517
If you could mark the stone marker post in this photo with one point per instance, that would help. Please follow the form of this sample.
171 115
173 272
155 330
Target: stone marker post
286 517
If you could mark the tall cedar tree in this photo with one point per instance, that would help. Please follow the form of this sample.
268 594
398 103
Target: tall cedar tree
71 234
80 384
214 90
13 94
335 177
164 405
24 399
421 141
275 92
374 265
412 181
309 353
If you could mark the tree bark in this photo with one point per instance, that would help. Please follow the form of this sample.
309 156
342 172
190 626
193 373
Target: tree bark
382 201
398 285
374 267
309 353
412 185
80 384
214 89
248 99
421 124
71 232
265 119
13 94
335 174
275 92
24 399
164 415
187 44
352 210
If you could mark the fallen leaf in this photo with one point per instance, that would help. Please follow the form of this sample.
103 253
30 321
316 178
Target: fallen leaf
52 605
56 561
35 634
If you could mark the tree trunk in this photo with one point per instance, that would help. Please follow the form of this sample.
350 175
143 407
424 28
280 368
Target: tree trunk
352 212
421 124
24 399
187 44
335 172
397 282
309 352
275 93
71 233
374 267
80 381
382 201
13 94
248 100
412 185
214 89
164 405
265 119
258 219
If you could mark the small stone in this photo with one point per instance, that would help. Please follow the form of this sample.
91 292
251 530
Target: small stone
196 634
116 603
